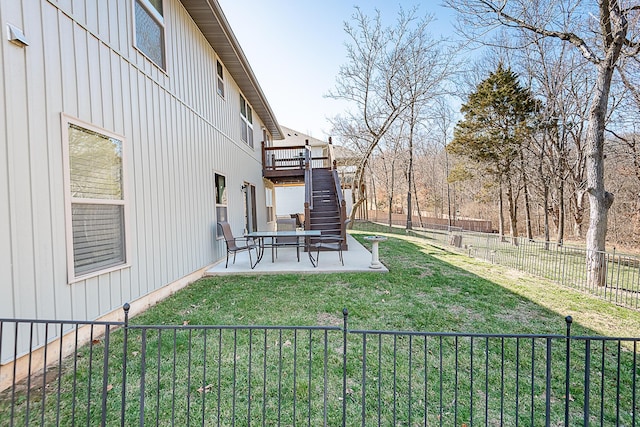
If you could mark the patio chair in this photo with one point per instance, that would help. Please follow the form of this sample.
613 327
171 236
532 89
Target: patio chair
233 245
287 225
326 243
299 217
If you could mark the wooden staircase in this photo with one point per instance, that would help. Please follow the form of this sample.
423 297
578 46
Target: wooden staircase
324 207
326 214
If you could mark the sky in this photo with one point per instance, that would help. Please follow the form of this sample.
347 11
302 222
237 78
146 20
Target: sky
295 48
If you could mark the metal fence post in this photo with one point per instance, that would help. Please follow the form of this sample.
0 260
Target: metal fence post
105 374
567 396
126 308
547 415
345 315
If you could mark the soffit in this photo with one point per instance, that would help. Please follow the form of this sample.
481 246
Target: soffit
208 16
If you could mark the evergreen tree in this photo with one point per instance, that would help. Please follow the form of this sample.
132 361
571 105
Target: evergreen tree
497 123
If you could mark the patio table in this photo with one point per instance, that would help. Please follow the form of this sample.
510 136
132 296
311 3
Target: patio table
261 236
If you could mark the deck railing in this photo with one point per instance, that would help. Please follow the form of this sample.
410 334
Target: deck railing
290 161
319 375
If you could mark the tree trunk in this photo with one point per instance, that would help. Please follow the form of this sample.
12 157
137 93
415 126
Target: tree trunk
560 235
546 217
513 214
578 214
446 168
410 171
500 214
527 205
391 193
527 213
599 200
415 191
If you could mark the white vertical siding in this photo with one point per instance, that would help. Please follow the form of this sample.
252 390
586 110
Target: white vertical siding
6 227
178 132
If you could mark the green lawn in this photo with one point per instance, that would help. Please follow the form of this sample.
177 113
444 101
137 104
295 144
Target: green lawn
230 375
560 263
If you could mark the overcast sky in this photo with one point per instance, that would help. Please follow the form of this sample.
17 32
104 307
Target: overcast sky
295 48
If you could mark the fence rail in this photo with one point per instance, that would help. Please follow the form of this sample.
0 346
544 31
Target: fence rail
620 281
325 375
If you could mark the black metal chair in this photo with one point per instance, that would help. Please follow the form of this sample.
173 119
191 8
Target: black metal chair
287 225
326 243
234 247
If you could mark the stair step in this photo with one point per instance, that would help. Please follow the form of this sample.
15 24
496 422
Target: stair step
325 211
325 214
327 226
326 221
327 230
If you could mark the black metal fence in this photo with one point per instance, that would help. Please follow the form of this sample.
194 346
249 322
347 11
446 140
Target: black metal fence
330 375
620 278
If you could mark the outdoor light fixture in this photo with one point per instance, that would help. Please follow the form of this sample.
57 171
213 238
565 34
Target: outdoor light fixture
16 36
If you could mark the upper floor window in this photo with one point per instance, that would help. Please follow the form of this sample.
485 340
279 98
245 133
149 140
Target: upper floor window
149 20
246 122
220 73
95 199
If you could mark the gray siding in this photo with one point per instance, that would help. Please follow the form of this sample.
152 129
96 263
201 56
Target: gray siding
178 132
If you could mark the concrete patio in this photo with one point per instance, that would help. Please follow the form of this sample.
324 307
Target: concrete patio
356 259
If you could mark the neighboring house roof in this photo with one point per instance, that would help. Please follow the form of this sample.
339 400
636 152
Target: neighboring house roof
209 17
293 137
344 153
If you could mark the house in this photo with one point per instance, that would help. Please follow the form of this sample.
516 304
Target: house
290 191
129 128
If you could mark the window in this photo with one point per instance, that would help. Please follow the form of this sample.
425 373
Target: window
246 125
220 73
269 203
95 199
150 30
221 200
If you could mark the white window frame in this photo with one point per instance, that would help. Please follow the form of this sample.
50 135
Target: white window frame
246 122
156 16
269 196
72 277
220 78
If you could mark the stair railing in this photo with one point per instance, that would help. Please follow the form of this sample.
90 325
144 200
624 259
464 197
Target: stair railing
308 187
342 205
330 157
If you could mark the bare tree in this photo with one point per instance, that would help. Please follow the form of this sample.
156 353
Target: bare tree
392 152
388 71
442 119
603 34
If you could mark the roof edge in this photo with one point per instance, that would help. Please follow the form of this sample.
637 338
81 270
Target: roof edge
212 22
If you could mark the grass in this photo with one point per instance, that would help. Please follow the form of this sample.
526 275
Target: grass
192 374
563 264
